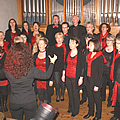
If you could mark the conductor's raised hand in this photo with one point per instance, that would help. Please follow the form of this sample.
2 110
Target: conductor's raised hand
52 60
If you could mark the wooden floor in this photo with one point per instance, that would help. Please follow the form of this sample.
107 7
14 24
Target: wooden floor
63 107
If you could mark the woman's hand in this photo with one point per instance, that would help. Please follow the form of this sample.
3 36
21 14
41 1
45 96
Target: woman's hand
63 76
50 83
52 60
96 88
80 81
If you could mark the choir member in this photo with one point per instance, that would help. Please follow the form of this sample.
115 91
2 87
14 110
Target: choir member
93 78
109 53
65 30
35 46
25 39
12 31
104 30
41 62
3 43
78 31
20 71
73 75
60 49
90 30
26 30
36 27
115 77
85 51
3 84
52 29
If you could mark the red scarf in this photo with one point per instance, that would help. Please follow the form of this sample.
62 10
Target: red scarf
90 60
64 48
113 64
114 95
103 43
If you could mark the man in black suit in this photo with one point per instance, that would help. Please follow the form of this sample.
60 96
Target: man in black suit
53 29
78 30
67 35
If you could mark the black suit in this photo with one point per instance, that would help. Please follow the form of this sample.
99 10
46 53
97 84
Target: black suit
50 33
80 32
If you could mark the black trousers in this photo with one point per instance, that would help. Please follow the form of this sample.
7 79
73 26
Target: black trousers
94 97
59 84
74 96
84 93
117 110
42 94
106 81
28 109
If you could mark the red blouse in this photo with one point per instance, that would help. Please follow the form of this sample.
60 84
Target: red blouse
71 66
41 65
33 40
13 35
27 33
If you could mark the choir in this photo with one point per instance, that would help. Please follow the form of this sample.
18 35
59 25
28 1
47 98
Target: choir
85 61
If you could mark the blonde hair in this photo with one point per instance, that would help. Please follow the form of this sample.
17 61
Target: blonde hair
44 39
112 37
18 39
38 36
35 48
59 33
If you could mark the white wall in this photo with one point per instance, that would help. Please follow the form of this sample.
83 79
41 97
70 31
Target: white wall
8 10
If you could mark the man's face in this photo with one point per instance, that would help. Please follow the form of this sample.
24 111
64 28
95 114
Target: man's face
55 20
65 28
75 20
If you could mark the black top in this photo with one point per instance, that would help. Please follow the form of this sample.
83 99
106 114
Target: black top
21 89
79 32
117 75
109 58
50 33
66 38
59 51
8 35
96 73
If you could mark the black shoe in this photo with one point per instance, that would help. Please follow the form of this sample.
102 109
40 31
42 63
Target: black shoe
62 99
1 110
5 107
95 118
69 111
113 118
82 101
112 112
87 116
73 115
57 100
